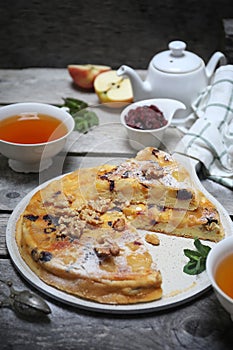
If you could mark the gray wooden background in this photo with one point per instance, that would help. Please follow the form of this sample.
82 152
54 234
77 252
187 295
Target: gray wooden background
56 33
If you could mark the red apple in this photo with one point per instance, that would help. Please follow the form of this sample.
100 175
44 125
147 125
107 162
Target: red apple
84 75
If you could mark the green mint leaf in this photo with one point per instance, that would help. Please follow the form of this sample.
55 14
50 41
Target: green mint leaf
190 268
192 254
197 258
203 249
84 119
202 265
74 104
194 267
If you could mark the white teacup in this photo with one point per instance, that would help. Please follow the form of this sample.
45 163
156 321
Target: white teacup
34 157
215 256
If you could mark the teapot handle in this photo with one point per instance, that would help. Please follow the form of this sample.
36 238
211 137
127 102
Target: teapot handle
218 57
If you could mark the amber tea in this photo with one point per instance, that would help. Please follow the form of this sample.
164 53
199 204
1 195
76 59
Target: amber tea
224 275
30 128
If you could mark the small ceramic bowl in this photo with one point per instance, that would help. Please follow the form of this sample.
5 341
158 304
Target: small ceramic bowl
34 157
139 138
215 256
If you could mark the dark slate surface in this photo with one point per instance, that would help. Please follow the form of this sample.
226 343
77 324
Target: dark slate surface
56 33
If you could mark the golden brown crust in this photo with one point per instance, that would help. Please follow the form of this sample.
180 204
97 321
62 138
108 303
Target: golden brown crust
151 177
79 234
104 264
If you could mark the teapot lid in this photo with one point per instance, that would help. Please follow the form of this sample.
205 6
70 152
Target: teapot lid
176 60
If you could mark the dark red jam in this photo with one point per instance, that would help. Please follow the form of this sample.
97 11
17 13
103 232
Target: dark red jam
145 118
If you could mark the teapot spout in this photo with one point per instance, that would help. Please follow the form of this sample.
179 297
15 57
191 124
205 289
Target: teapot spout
218 57
140 88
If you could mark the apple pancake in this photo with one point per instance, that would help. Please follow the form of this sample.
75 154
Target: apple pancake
80 232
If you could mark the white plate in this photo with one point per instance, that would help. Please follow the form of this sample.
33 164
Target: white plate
178 287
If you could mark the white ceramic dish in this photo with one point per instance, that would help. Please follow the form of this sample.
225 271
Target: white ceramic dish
138 138
216 255
178 287
34 157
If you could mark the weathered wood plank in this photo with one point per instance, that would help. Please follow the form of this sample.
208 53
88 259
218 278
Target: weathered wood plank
3 222
39 85
111 137
179 328
46 85
14 186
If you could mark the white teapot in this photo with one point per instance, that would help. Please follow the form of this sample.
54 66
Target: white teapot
175 73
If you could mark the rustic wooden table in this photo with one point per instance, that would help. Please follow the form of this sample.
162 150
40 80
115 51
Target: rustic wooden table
200 323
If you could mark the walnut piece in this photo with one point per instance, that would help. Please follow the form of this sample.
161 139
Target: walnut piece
107 249
91 217
152 238
100 205
119 224
70 226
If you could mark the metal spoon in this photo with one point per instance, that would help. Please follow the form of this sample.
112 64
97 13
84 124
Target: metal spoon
23 301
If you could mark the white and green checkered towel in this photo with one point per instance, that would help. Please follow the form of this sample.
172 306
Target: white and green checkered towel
210 138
